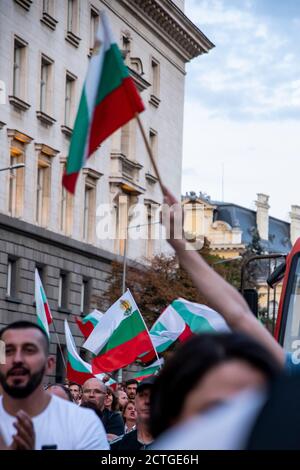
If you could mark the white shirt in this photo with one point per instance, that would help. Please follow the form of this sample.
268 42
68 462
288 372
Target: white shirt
224 427
62 426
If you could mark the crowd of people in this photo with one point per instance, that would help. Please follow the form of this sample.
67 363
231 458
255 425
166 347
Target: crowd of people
231 377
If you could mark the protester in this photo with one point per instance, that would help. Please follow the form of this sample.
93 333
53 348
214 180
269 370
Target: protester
129 416
55 421
122 399
94 391
76 392
140 437
205 370
111 401
60 391
131 386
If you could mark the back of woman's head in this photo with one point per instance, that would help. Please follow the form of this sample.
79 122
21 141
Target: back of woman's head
191 361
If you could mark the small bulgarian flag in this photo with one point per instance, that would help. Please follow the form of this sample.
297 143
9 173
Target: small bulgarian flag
153 369
108 101
179 321
89 322
42 307
120 336
78 370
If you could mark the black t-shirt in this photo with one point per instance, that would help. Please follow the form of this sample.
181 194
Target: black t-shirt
113 422
128 442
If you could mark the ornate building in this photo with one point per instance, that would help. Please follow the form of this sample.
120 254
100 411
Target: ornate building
45 46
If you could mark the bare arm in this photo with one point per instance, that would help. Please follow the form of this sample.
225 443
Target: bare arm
220 295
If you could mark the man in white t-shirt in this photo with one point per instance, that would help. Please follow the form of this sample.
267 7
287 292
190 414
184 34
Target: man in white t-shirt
57 423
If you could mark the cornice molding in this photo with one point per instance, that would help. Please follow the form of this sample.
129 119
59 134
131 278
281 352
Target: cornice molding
172 25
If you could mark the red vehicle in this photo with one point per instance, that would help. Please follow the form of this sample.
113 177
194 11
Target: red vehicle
287 331
284 323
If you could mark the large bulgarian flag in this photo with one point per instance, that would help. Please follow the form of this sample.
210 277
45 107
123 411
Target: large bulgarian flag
153 369
179 321
120 336
78 370
42 306
89 322
108 101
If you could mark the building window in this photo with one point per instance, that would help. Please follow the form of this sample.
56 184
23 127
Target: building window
19 73
73 22
128 140
43 187
46 85
16 177
126 47
155 77
11 288
69 99
66 206
63 291
94 23
153 145
155 72
89 208
48 7
85 297
43 193
48 14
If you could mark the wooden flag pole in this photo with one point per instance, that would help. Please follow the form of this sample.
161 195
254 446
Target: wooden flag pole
59 345
149 150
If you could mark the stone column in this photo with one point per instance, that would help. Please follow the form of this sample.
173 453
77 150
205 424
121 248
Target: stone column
262 215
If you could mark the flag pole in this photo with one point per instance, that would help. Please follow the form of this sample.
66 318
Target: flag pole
59 346
149 150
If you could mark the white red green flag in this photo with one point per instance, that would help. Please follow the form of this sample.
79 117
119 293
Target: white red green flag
109 100
179 321
43 311
78 370
153 369
88 323
120 336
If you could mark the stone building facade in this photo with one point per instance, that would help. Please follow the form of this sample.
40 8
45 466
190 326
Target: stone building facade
45 46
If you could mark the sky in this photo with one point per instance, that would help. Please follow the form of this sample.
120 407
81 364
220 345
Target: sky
242 103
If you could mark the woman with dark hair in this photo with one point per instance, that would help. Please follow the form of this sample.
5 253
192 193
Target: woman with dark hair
111 401
129 416
206 370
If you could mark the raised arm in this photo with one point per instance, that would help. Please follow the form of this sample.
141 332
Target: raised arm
221 296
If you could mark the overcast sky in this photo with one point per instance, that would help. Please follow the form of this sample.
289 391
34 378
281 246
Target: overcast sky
242 104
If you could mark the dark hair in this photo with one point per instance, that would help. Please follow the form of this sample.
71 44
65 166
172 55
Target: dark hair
189 364
26 325
125 408
65 389
115 402
77 385
131 382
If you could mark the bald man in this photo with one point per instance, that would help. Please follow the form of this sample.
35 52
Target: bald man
94 393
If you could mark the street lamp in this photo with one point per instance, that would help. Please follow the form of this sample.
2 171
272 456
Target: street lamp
13 167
